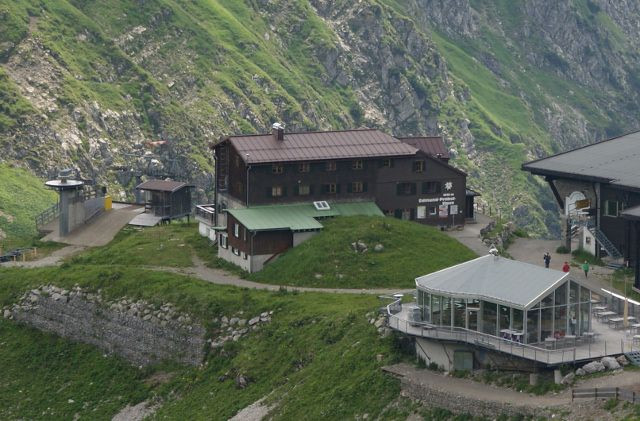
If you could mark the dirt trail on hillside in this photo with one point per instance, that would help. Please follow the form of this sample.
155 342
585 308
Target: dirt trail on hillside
220 277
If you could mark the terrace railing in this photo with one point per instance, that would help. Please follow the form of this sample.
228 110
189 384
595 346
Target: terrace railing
574 354
205 213
47 216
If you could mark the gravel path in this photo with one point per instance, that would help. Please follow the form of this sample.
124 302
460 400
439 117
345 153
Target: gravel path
254 412
55 258
220 277
481 391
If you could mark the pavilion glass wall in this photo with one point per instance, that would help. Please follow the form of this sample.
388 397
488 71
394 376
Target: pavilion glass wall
564 311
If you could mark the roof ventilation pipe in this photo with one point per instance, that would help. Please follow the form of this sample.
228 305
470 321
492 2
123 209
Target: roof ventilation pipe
278 131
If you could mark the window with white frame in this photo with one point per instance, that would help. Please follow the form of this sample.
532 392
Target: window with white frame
224 241
236 230
611 208
235 251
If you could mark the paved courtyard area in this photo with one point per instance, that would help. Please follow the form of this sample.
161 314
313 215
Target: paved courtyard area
100 230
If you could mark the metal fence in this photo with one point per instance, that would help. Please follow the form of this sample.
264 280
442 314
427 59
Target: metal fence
605 393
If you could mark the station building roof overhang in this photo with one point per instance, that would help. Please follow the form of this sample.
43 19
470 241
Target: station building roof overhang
496 279
613 161
632 214
298 217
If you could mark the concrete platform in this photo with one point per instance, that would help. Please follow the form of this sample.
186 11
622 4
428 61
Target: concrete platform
145 220
100 230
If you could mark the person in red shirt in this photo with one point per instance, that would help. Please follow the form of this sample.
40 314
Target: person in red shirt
566 268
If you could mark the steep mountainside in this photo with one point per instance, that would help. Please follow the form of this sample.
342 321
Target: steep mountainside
92 84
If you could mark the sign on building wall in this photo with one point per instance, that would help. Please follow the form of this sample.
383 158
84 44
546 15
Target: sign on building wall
443 211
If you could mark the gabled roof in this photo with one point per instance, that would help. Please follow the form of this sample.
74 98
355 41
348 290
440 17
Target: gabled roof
431 145
162 185
310 146
615 161
298 217
494 279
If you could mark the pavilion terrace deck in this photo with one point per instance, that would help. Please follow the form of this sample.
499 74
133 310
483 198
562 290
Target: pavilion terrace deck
606 341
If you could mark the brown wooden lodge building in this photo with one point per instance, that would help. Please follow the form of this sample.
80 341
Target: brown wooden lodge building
598 190
271 190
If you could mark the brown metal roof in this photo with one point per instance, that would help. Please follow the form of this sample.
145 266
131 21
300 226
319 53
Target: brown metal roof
431 145
310 146
162 185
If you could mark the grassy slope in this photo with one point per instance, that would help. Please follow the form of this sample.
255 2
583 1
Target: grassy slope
321 340
22 197
166 245
410 250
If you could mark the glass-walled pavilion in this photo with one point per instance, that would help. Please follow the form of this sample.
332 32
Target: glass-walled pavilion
506 298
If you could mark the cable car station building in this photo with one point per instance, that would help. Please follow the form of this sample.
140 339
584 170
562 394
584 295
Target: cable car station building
597 188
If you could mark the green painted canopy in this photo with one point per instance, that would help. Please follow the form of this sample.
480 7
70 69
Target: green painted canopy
298 217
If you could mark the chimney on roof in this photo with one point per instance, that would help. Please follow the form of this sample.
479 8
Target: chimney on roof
278 131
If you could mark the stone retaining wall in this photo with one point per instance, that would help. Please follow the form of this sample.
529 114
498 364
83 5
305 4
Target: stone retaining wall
136 331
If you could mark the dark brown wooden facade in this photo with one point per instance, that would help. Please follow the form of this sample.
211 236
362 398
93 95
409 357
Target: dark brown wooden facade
419 187
256 242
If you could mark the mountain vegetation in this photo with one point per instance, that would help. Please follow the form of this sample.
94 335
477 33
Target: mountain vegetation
22 197
92 84
406 250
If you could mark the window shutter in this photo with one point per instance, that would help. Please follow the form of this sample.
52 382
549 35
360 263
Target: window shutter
284 191
268 191
337 188
391 161
413 188
296 190
438 187
398 189
381 163
310 188
364 187
349 188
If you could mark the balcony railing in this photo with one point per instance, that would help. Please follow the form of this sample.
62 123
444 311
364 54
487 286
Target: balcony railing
587 351
206 214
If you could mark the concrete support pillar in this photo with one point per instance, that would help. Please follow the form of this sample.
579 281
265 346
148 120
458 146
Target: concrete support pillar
65 198
533 379
557 376
565 224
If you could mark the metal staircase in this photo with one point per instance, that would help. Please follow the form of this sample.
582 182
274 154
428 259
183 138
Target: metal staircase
605 243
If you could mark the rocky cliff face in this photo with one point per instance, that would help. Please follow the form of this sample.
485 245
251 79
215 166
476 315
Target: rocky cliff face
95 86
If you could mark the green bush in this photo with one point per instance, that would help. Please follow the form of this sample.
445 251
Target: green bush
562 250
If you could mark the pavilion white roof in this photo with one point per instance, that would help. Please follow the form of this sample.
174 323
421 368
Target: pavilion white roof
496 279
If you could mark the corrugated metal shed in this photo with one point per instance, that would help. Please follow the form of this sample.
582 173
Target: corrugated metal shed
431 145
615 161
495 279
162 185
312 146
297 217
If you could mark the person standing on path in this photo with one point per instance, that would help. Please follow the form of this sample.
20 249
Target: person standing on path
585 267
566 268
547 259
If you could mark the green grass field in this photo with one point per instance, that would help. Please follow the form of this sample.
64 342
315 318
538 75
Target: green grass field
328 260
22 197
166 245
321 340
